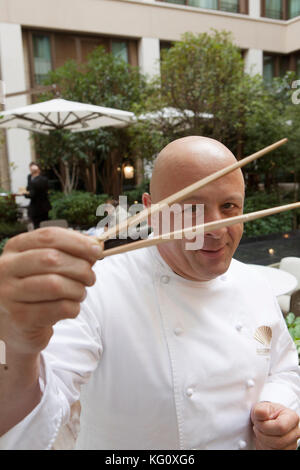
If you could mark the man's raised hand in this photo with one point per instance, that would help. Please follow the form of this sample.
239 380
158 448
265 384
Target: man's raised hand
43 279
275 427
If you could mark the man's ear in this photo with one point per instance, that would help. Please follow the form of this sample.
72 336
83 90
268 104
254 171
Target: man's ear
146 198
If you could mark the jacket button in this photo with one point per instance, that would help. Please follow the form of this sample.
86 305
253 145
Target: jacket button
178 331
189 392
165 279
250 383
239 326
242 444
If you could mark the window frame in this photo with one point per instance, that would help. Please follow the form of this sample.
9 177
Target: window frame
290 58
285 4
243 6
29 33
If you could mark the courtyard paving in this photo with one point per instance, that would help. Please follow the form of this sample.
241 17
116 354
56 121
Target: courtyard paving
269 249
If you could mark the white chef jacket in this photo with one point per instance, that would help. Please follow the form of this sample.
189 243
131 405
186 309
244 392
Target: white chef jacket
163 362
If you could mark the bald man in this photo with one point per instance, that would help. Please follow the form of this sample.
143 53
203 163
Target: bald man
159 344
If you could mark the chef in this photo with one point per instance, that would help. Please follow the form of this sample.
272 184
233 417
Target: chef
166 348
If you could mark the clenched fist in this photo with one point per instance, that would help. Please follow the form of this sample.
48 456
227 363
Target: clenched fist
275 426
43 279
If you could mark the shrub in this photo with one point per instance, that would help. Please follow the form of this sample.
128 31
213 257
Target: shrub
78 208
2 244
8 230
293 324
136 193
8 209
278 223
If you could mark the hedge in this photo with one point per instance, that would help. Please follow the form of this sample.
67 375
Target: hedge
78 208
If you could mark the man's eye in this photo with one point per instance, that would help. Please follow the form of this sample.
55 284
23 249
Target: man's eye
229 205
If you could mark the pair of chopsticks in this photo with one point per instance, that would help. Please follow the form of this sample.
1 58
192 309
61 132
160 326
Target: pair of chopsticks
182 194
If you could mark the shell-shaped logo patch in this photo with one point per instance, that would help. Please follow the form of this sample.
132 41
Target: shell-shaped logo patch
263 334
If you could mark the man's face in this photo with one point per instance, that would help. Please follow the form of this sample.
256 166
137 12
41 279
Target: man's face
34 170
222 199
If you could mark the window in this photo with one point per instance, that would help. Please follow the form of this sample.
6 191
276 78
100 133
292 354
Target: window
269 68
209 4
50 50
276 65
41 57
273 9
233 6
179 2
298 67
280 9
120 49
227 5
294 8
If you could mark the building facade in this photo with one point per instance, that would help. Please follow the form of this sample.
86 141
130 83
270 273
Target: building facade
36 37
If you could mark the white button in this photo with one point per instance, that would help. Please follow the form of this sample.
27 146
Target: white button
165 279
242 444
189 392
178 331
250 383
239 326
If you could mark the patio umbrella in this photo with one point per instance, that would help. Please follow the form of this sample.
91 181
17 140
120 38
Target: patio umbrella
171 115
58 114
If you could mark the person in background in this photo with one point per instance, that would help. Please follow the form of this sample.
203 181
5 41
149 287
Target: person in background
37 191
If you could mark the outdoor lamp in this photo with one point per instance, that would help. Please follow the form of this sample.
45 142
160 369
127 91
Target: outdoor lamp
128 171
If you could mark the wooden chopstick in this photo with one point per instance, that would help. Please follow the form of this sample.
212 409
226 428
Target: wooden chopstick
164 238
184 193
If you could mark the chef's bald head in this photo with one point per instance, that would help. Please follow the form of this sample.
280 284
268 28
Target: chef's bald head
186 160
180 164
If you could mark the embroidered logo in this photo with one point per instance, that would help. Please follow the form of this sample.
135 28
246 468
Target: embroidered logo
263 335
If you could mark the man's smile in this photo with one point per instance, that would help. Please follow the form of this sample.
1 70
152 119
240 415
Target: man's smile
216 253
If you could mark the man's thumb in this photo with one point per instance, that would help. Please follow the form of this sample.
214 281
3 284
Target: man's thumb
263 411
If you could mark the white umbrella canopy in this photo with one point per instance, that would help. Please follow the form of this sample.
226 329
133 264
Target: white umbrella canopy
172 115
58 114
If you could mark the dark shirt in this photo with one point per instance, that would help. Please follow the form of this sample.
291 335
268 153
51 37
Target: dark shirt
38 194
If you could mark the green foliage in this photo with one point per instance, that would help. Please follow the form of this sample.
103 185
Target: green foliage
10 229
78 208
203 73
137 193
2 244
8 209
293 324
269 119
278 223
104 80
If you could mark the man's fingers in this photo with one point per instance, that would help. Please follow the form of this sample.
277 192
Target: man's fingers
263 411
68 241
47 261
46 287
284 442
283 424
43 314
